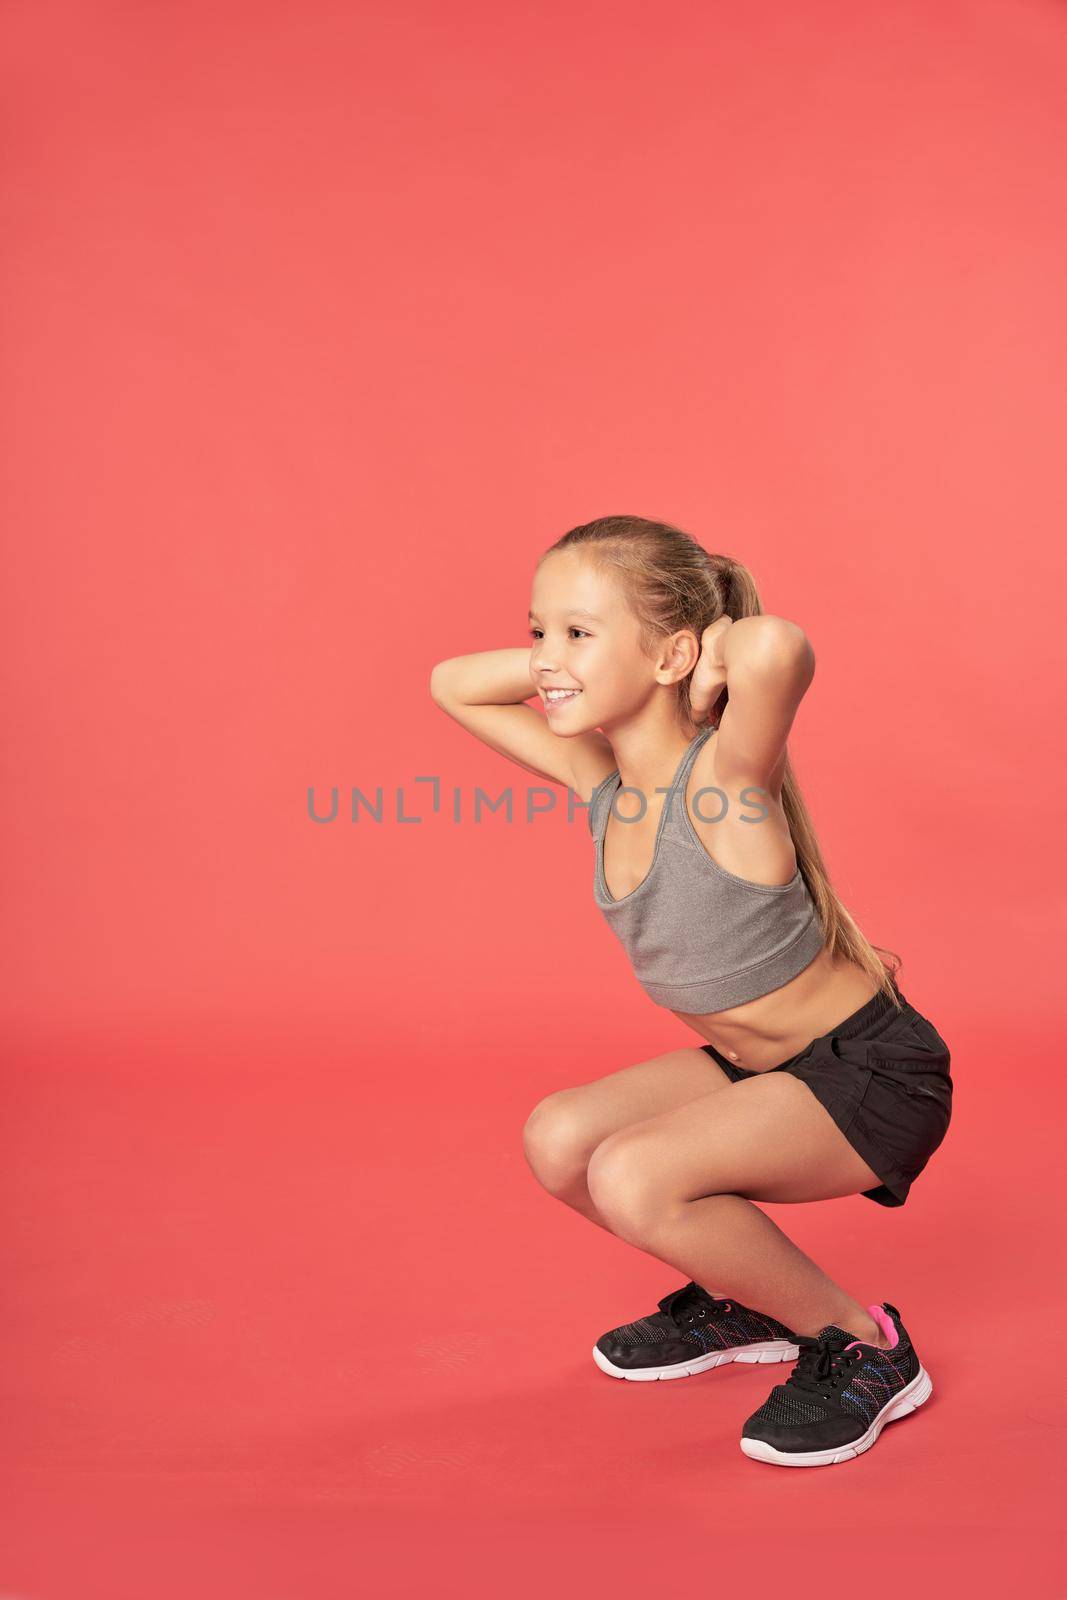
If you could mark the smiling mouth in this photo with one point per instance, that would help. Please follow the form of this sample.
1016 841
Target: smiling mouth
560 697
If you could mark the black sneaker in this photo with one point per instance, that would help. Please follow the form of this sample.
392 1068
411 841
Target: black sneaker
691 1332
839 1397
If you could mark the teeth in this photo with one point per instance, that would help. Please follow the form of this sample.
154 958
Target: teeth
561 694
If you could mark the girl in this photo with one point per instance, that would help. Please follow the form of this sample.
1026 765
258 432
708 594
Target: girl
668 697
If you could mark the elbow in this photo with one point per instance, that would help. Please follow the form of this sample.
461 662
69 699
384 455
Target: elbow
435 683
438 681
784 647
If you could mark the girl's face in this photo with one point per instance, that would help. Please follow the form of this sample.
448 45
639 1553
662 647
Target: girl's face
586 641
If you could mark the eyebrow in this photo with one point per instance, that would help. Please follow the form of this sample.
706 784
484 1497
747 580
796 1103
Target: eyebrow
574 612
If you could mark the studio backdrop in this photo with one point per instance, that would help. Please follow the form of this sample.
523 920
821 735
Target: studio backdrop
321 323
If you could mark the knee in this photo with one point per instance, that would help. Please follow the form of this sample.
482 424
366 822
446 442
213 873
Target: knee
557 1142
625 1187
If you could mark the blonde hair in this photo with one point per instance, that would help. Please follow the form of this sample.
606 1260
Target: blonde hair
671 582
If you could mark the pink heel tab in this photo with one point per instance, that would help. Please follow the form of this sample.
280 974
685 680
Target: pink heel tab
887 1325
885 1322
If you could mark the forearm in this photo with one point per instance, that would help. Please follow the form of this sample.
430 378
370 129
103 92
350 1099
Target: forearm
488 678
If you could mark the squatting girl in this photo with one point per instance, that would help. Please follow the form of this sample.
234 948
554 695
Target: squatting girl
668 697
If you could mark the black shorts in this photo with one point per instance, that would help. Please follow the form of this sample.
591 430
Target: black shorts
883 1075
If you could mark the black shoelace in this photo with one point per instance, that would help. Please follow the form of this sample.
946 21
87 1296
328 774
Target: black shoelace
823 1364
691 1304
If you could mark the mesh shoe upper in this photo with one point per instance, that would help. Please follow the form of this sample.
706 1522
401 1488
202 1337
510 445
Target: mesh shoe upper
692 1319
882 1375
789 1409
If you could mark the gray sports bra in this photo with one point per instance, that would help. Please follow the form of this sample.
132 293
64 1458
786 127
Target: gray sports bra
699 938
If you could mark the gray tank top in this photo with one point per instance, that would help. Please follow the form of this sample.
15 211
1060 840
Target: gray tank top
700 938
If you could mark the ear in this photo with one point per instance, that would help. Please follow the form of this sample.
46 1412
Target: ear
679 655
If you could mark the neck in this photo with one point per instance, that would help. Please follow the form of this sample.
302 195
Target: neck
648 758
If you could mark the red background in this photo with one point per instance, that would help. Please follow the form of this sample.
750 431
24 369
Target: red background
321 322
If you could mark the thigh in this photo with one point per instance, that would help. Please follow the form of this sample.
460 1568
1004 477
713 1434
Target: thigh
766 1138
635 1094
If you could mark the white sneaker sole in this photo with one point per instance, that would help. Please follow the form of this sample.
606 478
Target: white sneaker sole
909 1399
769 1350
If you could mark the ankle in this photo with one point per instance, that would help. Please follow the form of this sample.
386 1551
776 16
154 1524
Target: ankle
870 1332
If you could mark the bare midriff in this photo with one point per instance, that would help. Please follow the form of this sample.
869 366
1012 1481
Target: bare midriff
770 1029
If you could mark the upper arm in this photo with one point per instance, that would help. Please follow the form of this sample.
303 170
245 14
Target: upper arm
522 734
765 688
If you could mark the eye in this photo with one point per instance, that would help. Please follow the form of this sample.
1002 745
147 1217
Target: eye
535 633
